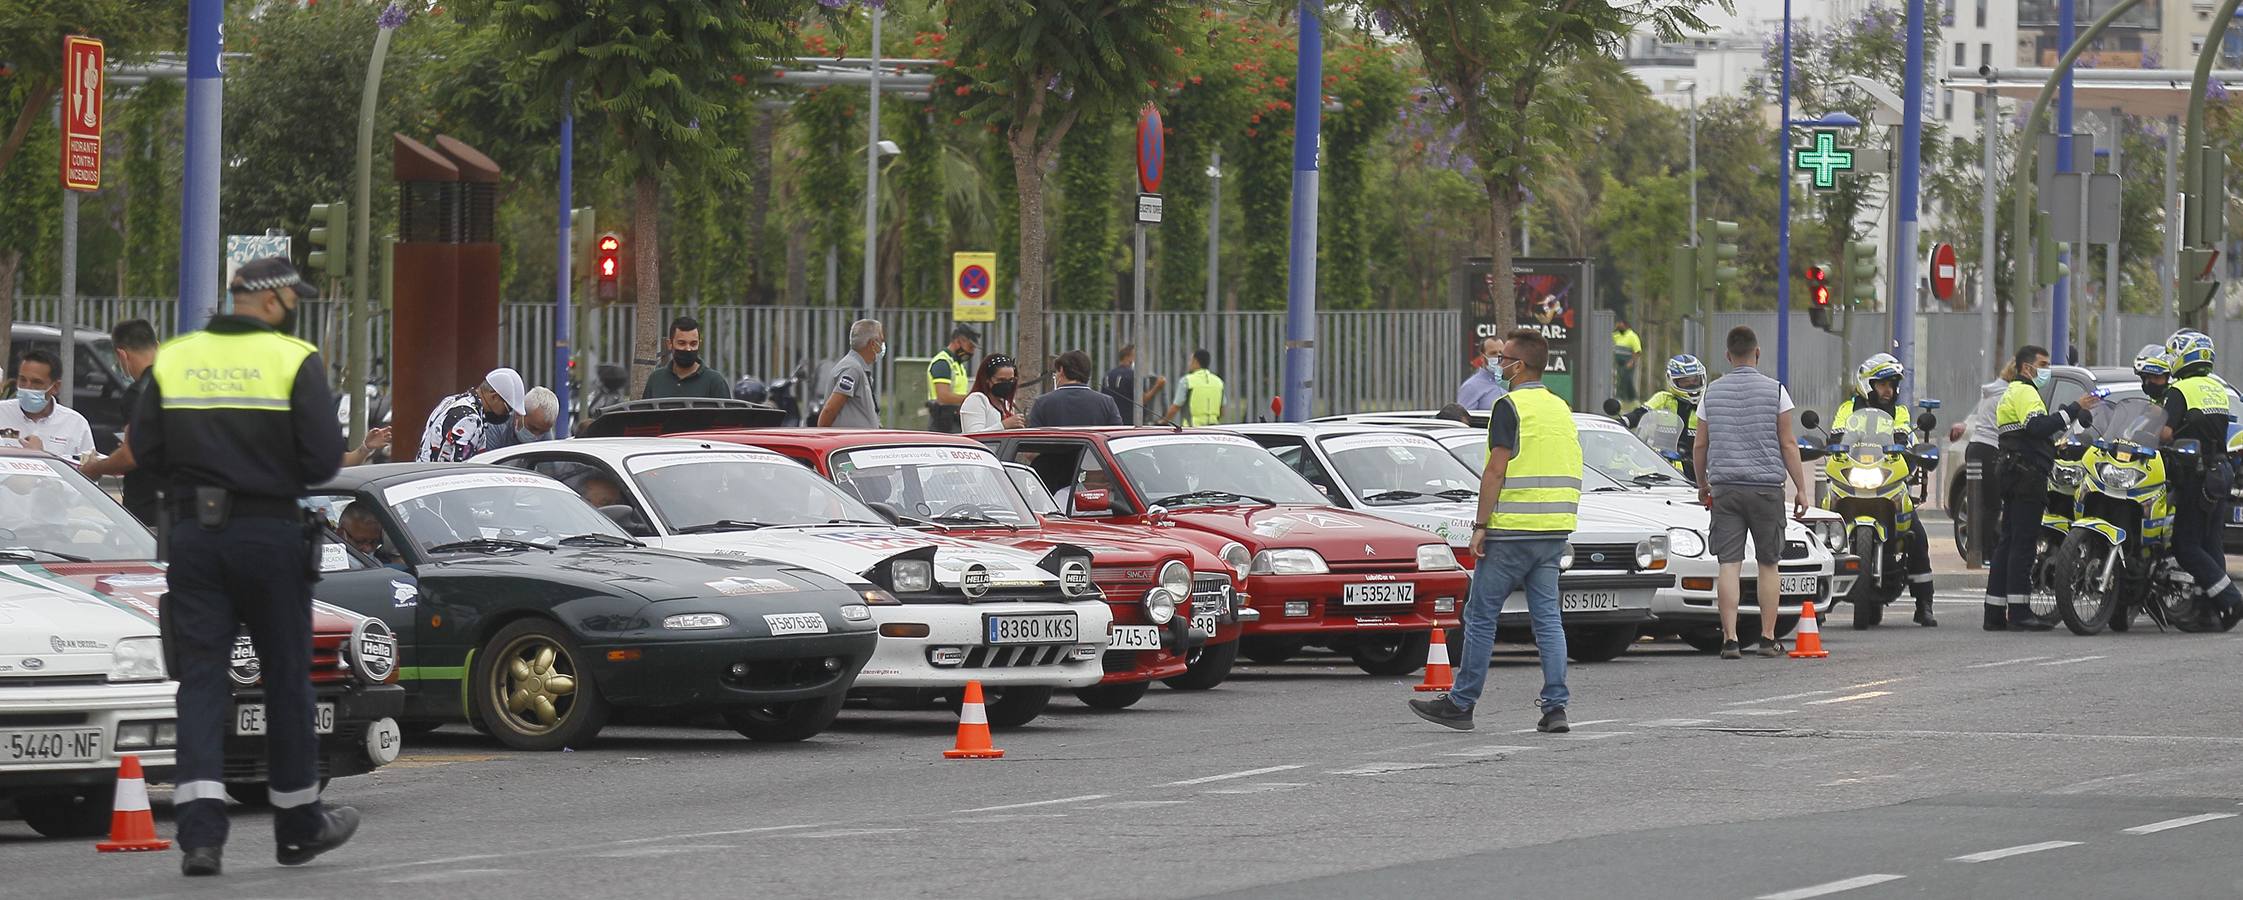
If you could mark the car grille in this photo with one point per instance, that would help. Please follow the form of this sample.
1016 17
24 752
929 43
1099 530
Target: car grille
1209 591
1381 565
1120 660
348 737
784 674
1020 657
1795 549
1617 557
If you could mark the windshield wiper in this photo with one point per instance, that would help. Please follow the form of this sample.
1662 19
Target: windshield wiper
32 553
1458 494
723 525
1648 479
1211 496
1398 494
488 543
596 538
975 517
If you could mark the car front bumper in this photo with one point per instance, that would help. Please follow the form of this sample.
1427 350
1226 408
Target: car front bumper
909 662
1631 603
1304 605
1691 599
733 671
102 706
359 709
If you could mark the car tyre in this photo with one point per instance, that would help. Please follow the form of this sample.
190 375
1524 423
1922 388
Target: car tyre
1603 643
1012 707
1270 651
531 688
1113 696
777 723
81 813
1208 666
1391 654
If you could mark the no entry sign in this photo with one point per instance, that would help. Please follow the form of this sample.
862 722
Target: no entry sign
1943 271
82 59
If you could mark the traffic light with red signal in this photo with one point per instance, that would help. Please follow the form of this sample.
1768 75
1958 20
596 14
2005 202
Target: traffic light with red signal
607 265
1818 288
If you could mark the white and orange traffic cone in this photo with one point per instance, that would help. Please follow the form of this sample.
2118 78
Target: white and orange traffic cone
973 729
1438 675
131 826
1807 644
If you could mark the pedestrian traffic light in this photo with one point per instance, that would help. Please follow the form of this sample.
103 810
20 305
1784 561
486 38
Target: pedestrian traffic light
1682 281
1818 288
330 240
583 224
2048 264
1857 274
1717 252
607 265
2198 283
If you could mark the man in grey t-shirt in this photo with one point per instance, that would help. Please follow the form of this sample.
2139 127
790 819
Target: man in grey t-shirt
852 401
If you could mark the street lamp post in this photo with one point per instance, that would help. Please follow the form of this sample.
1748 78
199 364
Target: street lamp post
872 175
1691 87
1783 211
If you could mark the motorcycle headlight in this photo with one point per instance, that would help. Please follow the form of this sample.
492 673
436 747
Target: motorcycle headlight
1160 605
2118 476
137 659
1435 558
1651 552
1685 542
1176 579
910 576
373 651
1288 561
1235 556
1865 477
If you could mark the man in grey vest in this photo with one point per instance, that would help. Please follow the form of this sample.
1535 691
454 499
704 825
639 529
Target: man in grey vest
1744 451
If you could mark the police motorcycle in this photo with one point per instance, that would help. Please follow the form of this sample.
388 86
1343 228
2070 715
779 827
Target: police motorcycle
1877 478
2116 558
2064 480
1662 430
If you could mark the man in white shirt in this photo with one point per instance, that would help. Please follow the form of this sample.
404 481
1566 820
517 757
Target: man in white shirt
36 419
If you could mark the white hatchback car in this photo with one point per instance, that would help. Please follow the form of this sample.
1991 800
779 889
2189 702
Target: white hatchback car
950 610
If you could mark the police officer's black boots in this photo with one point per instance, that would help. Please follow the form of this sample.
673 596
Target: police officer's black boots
2021 618
1997 617
336 826
202 861
1923 592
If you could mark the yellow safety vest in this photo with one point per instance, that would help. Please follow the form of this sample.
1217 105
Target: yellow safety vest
1203 398
1670 402
1542 484
961 381
2020 401
251 370
2203 393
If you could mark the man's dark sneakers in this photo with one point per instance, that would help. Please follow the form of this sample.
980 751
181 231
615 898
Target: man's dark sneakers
1729 650
1924 616
1444 712
202 861
341 822
2021 618
1770 648
1553 721
1997 617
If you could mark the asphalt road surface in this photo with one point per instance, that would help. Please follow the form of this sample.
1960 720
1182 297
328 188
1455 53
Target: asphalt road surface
1913 762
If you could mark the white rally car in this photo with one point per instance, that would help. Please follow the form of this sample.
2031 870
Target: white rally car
1402 474
950 610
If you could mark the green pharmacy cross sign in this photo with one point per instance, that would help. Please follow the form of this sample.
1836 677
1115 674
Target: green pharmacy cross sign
1824 159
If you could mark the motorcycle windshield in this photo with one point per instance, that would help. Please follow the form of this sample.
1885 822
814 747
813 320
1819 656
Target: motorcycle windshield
1867 432
1661 429
2130 420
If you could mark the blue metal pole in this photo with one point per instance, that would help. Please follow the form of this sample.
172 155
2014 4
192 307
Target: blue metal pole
199 252
2059 303
1783 210
561 350
1300 287
1911 139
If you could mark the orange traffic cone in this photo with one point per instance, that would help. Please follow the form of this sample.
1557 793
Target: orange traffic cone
131 826
973 729
1438 675
1807 644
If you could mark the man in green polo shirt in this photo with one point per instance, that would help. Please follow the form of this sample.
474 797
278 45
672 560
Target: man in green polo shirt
685 376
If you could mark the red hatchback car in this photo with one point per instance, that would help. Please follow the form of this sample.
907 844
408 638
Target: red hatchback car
1317 574
1177 606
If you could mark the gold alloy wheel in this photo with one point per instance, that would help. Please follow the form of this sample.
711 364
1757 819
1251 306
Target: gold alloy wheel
539 688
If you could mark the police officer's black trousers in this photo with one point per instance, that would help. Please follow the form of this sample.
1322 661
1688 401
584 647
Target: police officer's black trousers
2198 523
249 572
2010 579
1916 555
1986 500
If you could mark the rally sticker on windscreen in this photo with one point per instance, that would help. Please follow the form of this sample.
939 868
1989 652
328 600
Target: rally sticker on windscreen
10 466
651 462
1345 443
414 490
879 457
737 586
1190 437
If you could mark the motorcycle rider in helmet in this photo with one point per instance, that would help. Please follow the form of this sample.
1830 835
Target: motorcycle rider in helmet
1686 384
1877 386
2196 407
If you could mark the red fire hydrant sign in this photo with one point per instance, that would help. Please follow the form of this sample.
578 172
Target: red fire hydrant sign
82 61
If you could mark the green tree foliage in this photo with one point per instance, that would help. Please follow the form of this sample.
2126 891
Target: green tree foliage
1083 266
1367 87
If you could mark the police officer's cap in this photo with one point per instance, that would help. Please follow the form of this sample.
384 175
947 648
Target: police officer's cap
963 330
270 274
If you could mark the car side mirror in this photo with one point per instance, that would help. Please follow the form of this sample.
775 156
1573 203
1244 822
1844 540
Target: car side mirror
1612 407
1092 502
1926 422
886 511
1810 420
627 519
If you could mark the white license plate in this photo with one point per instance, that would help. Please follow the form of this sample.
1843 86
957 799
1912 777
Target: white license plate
1133 637
1588 601
795 623
1797 584
50 746
1039 629
249 718
1377 593
1204 624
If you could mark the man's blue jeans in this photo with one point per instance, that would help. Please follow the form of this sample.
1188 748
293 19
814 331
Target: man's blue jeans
1507 565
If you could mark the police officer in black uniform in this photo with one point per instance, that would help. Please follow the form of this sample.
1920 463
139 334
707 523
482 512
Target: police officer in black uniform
2196 408
237 423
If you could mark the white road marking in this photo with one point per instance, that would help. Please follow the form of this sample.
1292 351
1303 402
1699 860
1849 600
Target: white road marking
1591 736
2019 850
1798 696
449 875
1574 724
1670 723
1858 881
1878 683
1082 799
1865 695
1382 768
851 832
2182 822
1259 787
1492 750
1249 773
2039 735
2076 659
1755 712
701 834
2006 662
1139 804
637 852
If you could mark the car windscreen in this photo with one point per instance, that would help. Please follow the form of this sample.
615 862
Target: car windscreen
50 513
946 485
1200 466
720 491
1624 458
1387 469
492 506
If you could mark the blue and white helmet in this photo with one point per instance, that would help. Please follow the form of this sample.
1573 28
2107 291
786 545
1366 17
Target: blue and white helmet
1882 367
2154 360
2189 347
1684 367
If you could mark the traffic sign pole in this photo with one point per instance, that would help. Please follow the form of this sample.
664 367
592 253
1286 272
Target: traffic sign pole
199 254
1152 154
1904 256
1300 288
1783 210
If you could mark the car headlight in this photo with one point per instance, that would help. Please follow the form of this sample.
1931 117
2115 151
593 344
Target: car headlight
695 621
2117 476
1235 556
855 612
373 651
911 576
1832 532
1176 579
1865 478
1435 557
1288 561
1160 605
137 659
1685 542
1074 577
1651 553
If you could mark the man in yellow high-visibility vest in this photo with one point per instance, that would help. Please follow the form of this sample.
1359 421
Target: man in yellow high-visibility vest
1200 396
1530 495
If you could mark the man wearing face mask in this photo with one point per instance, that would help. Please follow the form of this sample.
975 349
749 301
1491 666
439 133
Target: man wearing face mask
1480 390
685 376
950 378
541 409
2028 433
461 422
35 419
852 399
238 423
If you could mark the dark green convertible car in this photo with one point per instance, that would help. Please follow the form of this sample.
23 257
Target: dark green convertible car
535 616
